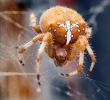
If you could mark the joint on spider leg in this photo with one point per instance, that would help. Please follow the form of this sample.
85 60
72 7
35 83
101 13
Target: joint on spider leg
38 78
80 68
88 31
21 62
21 50
20 55
93 58
93 62
32 19
39 57
38 75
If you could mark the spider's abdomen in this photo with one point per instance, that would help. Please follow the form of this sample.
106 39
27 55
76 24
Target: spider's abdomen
65 24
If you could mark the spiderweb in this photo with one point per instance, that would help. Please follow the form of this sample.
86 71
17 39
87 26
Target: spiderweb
54 86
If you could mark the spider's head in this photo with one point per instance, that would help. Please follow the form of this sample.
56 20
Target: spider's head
60 56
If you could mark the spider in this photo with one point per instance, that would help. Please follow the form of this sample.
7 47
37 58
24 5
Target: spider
64 35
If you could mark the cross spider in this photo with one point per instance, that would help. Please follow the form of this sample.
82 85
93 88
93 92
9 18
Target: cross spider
64 34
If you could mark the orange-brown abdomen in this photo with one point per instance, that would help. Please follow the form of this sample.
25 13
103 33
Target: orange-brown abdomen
62 22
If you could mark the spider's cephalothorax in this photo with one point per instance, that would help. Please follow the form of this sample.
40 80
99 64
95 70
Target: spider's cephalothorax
64 34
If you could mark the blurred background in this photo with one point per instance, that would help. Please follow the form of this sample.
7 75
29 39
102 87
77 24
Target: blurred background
15 30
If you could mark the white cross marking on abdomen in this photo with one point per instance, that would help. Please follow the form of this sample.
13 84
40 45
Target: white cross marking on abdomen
67 27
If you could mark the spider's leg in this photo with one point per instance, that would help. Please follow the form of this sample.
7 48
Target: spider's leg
34 24
39 57
47 39
90 51
79 67
81 44
88 32
81 61
23 48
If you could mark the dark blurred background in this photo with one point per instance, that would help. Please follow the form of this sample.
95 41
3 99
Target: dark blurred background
15 30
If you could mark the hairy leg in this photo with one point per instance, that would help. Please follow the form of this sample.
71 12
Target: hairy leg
88 32
81 45
39 58
90 51
23 48
81 61
47 39
33 23
79 67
